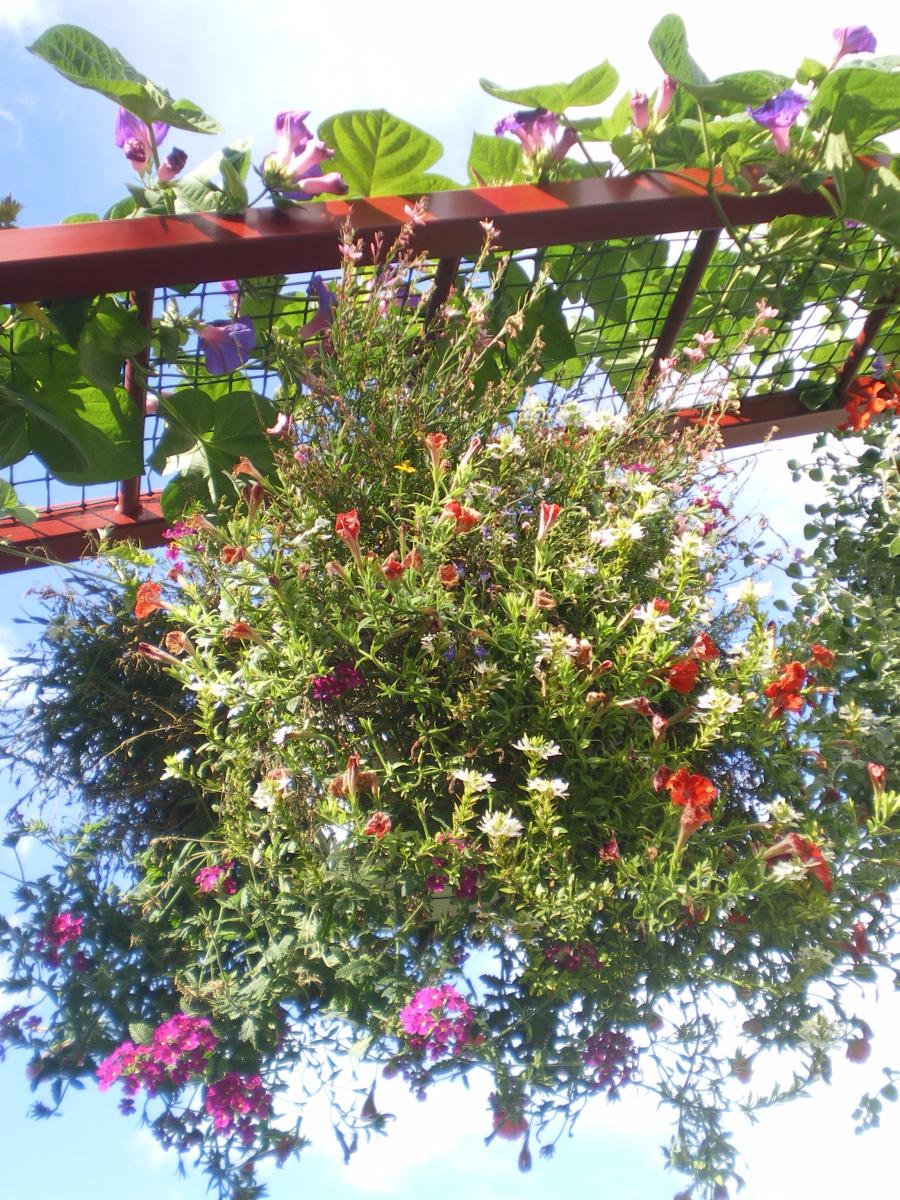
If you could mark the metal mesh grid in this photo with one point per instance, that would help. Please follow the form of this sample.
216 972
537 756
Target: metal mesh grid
616 297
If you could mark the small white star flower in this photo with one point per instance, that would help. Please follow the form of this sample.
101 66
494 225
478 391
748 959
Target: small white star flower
548 789
474 781
536 747
499 825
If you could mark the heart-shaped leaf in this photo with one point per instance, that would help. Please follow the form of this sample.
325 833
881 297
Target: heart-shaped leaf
379 154
591 87
494 160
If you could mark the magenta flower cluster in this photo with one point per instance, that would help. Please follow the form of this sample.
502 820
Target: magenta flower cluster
176 1053
469 876
438 1020
344 678
234 1100
614 1057
572 957
216 878
57 933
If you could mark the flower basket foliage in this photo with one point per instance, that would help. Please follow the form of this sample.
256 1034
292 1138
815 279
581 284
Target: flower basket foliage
470 750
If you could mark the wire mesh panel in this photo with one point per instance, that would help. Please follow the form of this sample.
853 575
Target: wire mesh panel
769 313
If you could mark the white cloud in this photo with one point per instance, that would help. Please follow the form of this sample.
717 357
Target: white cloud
21 16
15 124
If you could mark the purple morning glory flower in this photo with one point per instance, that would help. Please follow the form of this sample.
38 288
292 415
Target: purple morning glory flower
323 319
854 39
133 138
226 345
294 167
538 131
171 165
778 115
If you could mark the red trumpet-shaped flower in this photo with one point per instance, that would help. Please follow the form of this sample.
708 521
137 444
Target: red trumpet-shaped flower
548 515
346 526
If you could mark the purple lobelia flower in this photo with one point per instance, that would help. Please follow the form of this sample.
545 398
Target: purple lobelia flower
854 39
539 132
226 345
778 115
134 139
294 167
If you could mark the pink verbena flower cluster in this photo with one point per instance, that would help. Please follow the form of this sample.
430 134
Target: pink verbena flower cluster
572 957
211 879
58 932
435 1017
615 1058
469 876
344 678
177 1052
233 1100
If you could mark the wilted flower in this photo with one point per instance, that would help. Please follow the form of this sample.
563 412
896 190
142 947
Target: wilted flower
778 115
171 165
449 575
133 137
324 318
227 345
500 825
809 854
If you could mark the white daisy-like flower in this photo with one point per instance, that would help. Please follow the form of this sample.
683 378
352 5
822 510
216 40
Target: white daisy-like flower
604 538
507 443
718 699
635 531
554 644
662 622
475 781
813 958
782 813
548 789
174 763
536 747
602 419
499 825
818 1031
582 567
787 869
427 642
282 733
688 545
748 590
265 796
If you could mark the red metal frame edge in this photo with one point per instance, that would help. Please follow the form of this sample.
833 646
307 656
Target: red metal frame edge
69 532
110 256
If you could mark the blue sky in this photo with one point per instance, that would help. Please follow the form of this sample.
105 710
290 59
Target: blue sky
244 63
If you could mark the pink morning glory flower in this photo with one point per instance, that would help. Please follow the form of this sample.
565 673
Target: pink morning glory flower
296 161
539 133
778 115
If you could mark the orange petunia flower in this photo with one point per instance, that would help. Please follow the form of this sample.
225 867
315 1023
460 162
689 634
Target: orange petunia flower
682 676
464 518
690 790
378 825
821 655
148 600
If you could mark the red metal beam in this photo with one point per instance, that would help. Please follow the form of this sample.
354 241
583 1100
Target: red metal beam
773 415
69 532
683 299
861 344
113 256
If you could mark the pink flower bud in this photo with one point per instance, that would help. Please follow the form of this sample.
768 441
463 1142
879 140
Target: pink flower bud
640 110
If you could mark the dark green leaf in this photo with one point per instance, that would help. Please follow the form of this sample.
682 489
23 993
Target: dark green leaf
111 335
183 491
69 316
13 434
591 87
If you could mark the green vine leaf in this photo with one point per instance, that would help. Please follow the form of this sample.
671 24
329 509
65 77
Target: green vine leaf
668 43
110 335
85 60
494 160
858 101
10 506
591 87
379 154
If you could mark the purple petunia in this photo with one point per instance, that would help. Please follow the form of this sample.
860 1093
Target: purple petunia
778 115
227 345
